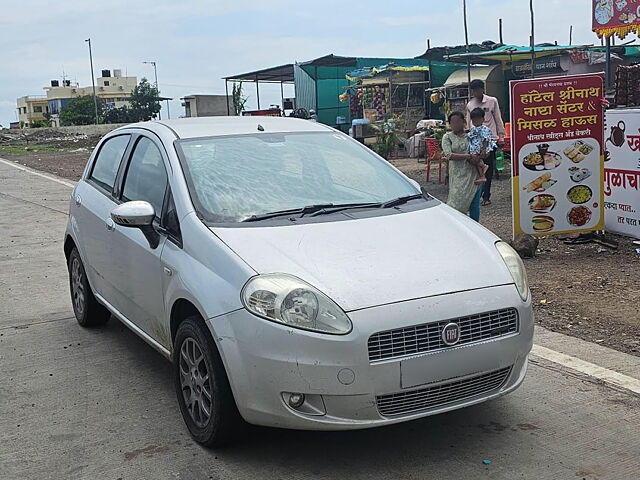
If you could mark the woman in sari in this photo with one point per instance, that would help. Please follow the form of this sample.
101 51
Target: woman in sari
464 193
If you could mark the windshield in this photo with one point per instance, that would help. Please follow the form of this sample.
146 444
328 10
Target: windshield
233 178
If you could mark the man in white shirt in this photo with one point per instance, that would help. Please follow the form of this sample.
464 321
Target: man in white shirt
493 120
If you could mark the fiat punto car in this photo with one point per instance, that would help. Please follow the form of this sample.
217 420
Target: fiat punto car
294 278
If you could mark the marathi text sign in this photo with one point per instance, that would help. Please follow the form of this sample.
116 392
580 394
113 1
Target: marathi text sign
622 172
557 134
616 17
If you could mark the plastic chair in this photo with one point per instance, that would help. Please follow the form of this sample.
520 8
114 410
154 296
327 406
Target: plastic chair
432 149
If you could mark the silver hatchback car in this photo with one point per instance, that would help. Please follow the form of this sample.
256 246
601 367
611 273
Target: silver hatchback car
294 278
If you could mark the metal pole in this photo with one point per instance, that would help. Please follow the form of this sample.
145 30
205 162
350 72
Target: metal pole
501 40
258 91
282 96
571 35
168 112
155 73
466 40
93 82
226 90
533 40
608 64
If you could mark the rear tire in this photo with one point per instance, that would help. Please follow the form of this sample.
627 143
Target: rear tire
88 311
202 387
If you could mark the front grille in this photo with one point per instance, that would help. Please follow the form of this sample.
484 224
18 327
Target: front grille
427 337
403 403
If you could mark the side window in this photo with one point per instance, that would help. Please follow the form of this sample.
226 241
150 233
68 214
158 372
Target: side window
105 167
146 177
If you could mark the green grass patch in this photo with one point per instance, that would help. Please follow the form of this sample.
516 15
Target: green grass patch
19 150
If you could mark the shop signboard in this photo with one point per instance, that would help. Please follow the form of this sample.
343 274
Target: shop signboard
557 150
543 66
616 17
622 172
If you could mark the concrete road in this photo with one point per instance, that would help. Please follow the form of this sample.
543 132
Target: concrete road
98 404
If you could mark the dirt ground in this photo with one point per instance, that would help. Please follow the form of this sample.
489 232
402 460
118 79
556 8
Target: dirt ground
588 291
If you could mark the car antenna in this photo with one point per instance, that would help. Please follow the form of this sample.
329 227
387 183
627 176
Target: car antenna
260 128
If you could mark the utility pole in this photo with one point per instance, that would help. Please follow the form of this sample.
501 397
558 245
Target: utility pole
155 73
466 40
533 40
93 81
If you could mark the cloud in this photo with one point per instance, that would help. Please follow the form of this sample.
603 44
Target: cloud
199 41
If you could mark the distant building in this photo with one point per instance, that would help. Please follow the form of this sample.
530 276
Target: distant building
31 109
114 90
207 105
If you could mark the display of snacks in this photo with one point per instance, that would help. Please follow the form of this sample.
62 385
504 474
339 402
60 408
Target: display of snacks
540 184
579 216
544 203
578 151
579 194
543 223
548 161
579 174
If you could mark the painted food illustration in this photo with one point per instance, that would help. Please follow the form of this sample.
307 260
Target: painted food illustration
547 161
541 184
578 151
579 174
542 203
579 194
579 216
543 223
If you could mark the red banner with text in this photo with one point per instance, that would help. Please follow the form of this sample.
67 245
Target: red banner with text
557 147
616 17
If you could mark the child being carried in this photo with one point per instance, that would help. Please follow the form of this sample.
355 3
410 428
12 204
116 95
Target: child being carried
480 142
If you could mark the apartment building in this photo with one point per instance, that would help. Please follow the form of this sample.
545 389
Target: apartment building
111 87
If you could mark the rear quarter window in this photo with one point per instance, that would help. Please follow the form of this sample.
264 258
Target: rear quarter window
107 162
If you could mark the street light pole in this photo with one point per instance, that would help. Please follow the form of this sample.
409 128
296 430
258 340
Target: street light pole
466 41
155 73
93 81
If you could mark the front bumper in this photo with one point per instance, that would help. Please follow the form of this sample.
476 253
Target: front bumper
264 360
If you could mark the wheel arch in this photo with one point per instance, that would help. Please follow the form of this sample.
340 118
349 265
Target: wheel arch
181 310
69 245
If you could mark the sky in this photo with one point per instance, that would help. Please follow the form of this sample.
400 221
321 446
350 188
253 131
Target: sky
197 42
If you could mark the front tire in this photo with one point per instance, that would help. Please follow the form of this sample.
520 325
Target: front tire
202 387
86 308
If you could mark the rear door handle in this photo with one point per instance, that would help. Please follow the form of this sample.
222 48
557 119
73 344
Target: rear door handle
78 200
110 224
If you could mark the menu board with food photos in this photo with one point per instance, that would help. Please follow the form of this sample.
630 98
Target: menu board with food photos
557 155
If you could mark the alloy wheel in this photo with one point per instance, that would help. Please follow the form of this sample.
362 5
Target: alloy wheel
77 286
195 382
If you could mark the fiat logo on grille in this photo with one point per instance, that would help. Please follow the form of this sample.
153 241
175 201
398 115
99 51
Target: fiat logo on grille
451 334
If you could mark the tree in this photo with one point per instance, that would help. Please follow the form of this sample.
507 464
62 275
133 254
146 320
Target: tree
122 114
239 100
80 111
144 101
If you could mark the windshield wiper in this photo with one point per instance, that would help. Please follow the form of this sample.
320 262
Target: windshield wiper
388 204
345 206
401 200
294 211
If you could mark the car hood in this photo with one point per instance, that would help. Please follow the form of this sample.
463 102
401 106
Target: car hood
366 262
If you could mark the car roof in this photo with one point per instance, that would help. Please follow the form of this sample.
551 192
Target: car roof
218 126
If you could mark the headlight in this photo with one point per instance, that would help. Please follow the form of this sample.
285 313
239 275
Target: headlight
516 268
288 300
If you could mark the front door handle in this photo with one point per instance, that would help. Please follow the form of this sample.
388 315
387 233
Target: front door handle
110 224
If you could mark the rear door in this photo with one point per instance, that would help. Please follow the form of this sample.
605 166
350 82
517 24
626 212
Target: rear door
91 212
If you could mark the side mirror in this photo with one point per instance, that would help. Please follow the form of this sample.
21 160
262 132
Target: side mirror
137 214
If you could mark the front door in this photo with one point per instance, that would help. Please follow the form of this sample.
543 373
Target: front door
137 269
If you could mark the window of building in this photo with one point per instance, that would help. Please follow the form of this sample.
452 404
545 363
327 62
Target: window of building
106 165
106 83
37 109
